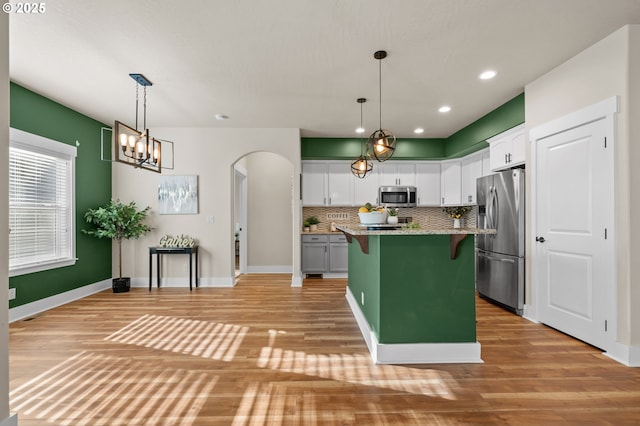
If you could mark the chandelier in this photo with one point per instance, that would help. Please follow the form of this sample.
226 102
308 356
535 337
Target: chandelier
135 147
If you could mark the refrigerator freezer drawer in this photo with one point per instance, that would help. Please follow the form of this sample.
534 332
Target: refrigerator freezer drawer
501 278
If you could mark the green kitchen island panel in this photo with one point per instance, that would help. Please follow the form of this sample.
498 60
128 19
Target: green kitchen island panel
413 294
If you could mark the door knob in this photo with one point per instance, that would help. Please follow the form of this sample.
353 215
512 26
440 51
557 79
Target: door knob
540 239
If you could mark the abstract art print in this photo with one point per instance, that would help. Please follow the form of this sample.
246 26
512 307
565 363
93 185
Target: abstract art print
178 195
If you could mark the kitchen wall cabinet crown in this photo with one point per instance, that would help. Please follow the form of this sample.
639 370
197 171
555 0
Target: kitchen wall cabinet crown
508 148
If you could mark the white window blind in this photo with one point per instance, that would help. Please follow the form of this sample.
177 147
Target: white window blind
41 203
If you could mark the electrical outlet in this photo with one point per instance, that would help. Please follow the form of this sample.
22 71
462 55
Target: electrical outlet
362 298
211 219
12 293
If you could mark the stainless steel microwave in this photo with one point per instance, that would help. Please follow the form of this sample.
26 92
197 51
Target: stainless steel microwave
397 196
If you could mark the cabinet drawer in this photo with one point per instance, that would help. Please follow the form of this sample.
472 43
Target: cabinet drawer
337 238
314 238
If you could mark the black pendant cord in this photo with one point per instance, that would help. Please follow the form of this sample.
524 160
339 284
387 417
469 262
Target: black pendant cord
137 87
361 134
380 90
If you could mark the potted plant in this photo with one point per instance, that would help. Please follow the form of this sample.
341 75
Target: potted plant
393 216
306 226
456 214
313 223
118 222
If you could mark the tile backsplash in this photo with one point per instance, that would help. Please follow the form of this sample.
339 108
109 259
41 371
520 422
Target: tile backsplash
428 217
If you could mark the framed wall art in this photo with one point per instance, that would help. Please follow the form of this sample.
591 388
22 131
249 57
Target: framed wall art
178 195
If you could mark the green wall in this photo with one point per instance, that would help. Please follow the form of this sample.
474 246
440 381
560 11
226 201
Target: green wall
36 114
465 141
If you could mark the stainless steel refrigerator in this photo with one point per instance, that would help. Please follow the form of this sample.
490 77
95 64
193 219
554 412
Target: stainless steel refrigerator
500 257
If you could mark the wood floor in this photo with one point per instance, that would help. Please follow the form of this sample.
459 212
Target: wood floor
264 353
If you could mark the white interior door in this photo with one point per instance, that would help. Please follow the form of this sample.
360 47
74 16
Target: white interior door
574 231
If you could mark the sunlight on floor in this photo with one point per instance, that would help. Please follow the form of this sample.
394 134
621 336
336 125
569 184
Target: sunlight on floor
77 393
358 369
198 338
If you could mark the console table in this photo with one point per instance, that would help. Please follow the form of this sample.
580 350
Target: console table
159 251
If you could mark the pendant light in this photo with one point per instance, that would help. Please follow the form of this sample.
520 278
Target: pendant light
362 166
382 143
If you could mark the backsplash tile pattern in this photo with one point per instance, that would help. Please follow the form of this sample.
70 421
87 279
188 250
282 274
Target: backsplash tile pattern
428 217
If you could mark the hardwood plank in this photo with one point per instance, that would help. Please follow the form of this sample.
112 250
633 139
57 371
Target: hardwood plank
265 353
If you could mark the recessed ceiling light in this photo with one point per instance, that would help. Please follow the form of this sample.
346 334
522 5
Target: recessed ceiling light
360 130
444 108
487 75
221 117
418 130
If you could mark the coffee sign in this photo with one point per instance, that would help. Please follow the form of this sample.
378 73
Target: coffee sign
183 241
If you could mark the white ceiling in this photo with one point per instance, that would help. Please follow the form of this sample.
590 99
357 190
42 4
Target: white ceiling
301 63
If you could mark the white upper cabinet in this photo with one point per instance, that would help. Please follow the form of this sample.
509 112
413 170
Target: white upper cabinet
314 183
428 183
471 171
486 162
508 149
394 174
365 190
451 183
340 184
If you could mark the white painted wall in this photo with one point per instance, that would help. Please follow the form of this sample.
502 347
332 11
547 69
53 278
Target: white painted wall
4 220
269 231
608 68
209 153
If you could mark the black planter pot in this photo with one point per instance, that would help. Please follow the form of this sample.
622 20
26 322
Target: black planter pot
121 285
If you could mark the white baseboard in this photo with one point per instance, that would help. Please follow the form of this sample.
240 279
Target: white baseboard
184 282
10 421
412 353
624 354
33 308
296 281
269 269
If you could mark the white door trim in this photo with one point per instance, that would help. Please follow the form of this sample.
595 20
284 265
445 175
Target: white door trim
240 175
606 110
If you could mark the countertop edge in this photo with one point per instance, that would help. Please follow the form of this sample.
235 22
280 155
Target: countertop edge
424 231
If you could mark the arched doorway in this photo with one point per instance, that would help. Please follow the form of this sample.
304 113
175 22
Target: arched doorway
263 214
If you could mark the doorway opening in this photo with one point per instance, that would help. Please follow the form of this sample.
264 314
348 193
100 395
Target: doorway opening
263 214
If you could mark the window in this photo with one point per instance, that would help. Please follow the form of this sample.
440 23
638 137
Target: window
41 203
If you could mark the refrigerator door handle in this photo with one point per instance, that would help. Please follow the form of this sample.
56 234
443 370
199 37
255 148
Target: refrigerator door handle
495 216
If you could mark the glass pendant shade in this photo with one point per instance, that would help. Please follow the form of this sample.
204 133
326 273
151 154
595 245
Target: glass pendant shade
361 167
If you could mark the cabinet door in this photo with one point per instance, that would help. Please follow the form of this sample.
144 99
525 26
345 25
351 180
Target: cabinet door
340 184
518 149
387 173
338 257
471 171
314 258
499 154
314 186
407 174
450 183
486 162
428 184
366 190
